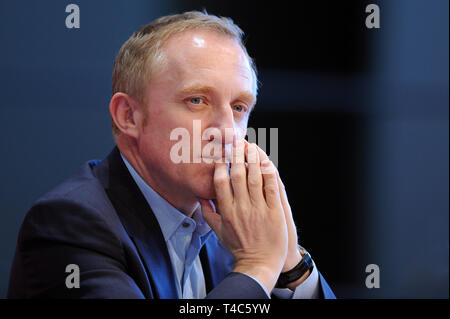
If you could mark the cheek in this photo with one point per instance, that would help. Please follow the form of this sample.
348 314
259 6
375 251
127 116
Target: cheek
156 132
202 180
240 131
240 127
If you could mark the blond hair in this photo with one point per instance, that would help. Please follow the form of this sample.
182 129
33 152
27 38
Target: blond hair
140 56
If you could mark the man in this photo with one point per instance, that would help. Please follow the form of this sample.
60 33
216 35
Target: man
139 224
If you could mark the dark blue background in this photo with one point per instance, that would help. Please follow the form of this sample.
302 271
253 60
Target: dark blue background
366 110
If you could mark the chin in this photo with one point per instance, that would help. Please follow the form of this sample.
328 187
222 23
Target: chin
211 194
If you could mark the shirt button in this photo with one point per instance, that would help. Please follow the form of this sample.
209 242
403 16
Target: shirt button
186 224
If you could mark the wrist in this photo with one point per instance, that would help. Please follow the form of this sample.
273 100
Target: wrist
265 274
292 260
297 275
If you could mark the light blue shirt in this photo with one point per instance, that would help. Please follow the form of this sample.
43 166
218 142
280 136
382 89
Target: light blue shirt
185 236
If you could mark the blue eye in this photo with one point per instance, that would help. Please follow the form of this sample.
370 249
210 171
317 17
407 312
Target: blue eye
238 108
196 100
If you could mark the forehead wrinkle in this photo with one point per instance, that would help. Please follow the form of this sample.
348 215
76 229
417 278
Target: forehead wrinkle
201 48
186 64
196 88
192 78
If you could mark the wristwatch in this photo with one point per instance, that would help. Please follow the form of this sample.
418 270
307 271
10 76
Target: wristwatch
297 272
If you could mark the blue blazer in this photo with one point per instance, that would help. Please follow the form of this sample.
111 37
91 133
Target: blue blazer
99 220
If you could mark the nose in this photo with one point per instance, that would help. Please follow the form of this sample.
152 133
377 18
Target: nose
223 120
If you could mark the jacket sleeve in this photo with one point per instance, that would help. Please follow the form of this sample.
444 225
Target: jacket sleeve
57 233
238 286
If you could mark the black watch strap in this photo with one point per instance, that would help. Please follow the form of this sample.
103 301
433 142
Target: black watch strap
296 273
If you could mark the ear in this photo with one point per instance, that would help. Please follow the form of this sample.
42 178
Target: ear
125 113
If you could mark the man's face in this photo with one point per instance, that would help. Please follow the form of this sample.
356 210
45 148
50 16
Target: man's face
208 78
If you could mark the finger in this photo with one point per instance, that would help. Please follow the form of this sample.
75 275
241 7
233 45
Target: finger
254 179
271 189
263 157
238 172
284 200
214 220
282 189
216 205
222 186
253 156
267 169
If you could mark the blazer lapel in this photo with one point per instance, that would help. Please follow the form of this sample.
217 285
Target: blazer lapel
140 224
217 262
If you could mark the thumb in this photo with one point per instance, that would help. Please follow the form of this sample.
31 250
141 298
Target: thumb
214 220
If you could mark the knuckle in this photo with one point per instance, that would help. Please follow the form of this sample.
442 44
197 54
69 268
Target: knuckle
237 175
271 189
243 207
253 182
267 167
221 181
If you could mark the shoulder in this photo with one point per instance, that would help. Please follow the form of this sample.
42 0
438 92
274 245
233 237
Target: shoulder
78 211
83 187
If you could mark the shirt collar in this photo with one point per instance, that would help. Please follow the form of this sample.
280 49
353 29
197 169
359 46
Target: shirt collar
169 218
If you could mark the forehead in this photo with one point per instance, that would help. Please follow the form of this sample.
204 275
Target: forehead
204 55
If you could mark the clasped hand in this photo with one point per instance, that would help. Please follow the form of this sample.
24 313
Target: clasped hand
253 218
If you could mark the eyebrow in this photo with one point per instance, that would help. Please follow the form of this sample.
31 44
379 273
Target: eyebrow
244 95
197 89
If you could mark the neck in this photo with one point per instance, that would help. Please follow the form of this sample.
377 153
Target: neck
172 193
